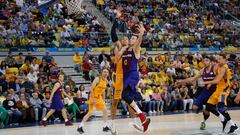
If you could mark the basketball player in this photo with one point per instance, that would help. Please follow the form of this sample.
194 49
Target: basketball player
130 73
208 73
97 99
117 75
218 99
56 101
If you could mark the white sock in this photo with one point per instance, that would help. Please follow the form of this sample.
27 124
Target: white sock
134 120
81 124
112 122
221 117
105 124
232 123
44 119
135 107
66 120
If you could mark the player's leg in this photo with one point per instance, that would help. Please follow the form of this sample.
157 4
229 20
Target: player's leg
43 122
64 114
133 123
85 118
221 106
105 127
126 95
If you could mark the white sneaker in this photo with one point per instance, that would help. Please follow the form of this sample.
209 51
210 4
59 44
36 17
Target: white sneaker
136 126
150 112
154 111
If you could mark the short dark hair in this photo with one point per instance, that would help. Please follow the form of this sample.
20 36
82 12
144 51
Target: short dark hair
223 55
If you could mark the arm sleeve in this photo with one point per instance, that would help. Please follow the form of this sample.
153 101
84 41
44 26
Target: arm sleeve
114 31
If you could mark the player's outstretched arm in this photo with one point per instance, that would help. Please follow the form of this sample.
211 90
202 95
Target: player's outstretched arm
114 36
191 79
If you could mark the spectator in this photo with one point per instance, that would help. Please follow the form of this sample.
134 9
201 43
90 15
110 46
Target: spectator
47 57
26 67
101 56
4 118
70 82
104 63
10 61
198 56
10 105
29 57
86 67
35 66
93 73
19 60
32 76
24 106
186 98
95 64
157 99
36 103
77 60
177 100
3 67
146 102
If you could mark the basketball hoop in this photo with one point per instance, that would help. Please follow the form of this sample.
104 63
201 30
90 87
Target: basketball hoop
74 6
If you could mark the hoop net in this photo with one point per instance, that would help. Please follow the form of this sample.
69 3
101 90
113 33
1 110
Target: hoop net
74 6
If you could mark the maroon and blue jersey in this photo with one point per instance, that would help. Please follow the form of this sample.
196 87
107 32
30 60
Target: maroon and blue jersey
206 93
130 69
57 102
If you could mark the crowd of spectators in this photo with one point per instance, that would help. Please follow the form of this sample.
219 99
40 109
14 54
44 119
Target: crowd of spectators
26 83
173 24
25 88
230 6
27 26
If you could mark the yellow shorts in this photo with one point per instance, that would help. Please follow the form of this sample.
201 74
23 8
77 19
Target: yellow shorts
100 104
118 86
220 95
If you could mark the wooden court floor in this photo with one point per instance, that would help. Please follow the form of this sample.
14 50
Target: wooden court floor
179 124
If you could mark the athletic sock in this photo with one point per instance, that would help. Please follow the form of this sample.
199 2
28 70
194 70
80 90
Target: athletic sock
232 123
135 107
104 124
81 124
66 120
221 117
44 119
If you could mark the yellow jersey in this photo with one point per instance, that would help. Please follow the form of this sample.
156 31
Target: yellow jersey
100 88
225 81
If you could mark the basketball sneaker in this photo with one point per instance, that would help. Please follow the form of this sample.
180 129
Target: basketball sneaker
68 123
233 129
44 123
203 126
106 129
224 123
80 130
145 121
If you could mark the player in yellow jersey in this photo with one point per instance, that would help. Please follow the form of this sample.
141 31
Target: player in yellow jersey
218 101
97 99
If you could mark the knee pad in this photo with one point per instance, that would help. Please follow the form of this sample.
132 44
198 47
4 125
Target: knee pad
126 95
221 107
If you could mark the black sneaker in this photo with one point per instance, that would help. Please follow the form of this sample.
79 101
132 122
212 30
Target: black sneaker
233 129
80 130
224 123
106 129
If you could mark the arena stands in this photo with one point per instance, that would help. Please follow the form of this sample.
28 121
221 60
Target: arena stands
177 24
26 80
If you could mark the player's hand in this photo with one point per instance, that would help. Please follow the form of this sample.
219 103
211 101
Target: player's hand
237 99
141 28
49 101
